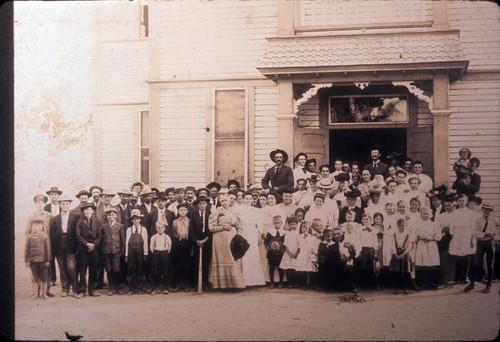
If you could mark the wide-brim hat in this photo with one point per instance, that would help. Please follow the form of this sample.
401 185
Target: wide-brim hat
107 193
320 195
161 196
95 187
125 192
233 181
487 205
342 177
141 184
53 189
83 192
201 199
171 189
111 209
239 246
43 197
476 199
146 191
325 183
214 185
438 191
87 205
135 213
469 153
64 199
352 193
273 154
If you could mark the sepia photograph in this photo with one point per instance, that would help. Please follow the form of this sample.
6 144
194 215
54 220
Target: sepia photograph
256 170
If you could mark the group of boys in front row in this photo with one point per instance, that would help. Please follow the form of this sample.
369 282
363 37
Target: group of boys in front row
158 237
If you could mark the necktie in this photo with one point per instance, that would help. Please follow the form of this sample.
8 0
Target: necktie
202 221
277 234
136 230
162 215
485 226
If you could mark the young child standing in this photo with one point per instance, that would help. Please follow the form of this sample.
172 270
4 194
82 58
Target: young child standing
136 249
274 244
291 243
323 282
160 247
182 248
306 255
37 256
400 262
369 253
113 247
426 253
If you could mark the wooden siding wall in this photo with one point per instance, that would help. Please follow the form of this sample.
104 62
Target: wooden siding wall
324 13
214 39
118 135
478 22
117 20
182 137
122 72
266 128
475 123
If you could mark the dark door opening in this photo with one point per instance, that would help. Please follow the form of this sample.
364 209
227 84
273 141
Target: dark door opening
354 144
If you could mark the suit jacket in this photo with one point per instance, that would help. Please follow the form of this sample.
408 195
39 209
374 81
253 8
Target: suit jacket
77 211
283 179
470 189
107 243
196 226
357 217
152 218
56 234
123 215
380 170
217 202
48 208
144 209
88 233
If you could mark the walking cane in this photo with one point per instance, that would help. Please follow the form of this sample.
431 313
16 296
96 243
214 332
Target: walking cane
200 272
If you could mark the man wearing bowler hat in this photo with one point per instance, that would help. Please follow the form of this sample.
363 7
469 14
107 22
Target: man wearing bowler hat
214 189
280 175
376 167
53 206
83 196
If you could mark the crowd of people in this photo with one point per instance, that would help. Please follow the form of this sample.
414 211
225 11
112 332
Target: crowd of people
341 229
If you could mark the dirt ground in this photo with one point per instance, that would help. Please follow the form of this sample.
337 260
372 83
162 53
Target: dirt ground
258 314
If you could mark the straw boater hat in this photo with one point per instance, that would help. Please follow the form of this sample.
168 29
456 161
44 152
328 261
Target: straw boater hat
135 213
487 205
64 199
43 197
273 154
87 205
325 183
83 192
141 184
320 195
95 187
107 193
53 189
255 186
214 185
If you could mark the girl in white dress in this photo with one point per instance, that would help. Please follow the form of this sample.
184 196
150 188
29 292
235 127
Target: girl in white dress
427 253
248 223
288 262
304 264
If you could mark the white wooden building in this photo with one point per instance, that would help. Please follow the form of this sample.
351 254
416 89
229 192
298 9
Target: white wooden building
193 91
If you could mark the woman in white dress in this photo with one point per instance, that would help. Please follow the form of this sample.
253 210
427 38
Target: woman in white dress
462 243
247 222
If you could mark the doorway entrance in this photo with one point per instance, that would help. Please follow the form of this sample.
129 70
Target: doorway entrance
354 144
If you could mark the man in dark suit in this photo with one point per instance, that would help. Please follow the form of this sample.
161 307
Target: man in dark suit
280 175
64 245
202 237
146 201
102 208
83 197
53 206
204 192
377 167
123 207
351 205
88 235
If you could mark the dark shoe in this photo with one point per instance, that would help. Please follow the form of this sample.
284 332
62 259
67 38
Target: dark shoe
94 294
405 291
186 289
64 294
469 287
280 286
111 292
377 288
118 291
415 287
290 286
486 289
271 286
50 295
396 292
131 292
80 295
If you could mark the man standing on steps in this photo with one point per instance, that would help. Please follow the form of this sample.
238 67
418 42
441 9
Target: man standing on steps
280 175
